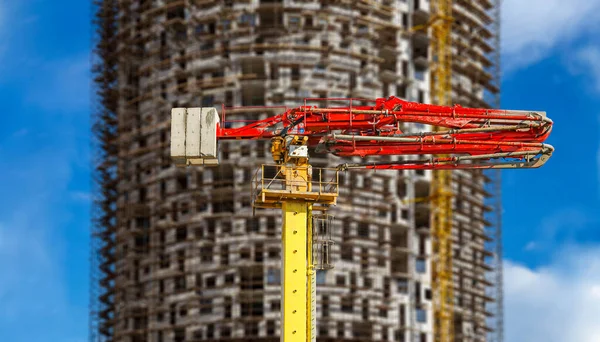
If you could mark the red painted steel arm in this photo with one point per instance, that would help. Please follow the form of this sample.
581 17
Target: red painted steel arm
474 138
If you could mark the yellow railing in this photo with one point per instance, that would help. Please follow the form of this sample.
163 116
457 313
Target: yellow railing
277 180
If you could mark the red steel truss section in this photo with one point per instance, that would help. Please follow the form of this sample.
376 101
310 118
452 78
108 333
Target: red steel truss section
475 138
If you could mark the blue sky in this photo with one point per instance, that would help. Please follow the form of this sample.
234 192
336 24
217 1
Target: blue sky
551 215
44 163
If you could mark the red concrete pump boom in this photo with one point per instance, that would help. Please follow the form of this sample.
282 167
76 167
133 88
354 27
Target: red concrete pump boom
473 138
469 138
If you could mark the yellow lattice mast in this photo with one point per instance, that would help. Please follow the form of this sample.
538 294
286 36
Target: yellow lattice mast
441 185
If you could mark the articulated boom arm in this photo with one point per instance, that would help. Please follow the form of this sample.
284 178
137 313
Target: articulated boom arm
473 138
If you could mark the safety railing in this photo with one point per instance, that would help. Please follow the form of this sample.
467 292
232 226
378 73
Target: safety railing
275 183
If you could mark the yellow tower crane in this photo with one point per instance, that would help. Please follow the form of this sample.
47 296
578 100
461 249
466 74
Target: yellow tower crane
441 184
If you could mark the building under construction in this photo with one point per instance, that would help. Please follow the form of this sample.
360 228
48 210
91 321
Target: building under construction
179 254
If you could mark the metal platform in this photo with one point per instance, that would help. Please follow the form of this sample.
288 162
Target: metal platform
271 189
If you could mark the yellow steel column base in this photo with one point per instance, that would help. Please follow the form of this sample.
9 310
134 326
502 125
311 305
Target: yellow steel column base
294 286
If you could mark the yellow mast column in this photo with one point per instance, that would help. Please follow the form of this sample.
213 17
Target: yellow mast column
295 289
298 274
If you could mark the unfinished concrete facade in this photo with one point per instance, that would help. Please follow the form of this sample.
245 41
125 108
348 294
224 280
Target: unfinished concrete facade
180 254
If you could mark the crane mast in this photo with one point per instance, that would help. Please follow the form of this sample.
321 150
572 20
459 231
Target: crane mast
466 138
441 184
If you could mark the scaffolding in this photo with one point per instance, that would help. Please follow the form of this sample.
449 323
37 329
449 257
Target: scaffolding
495 216
104 146
476 82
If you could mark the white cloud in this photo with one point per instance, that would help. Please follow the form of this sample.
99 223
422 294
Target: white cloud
2 12
557 303
564 223
532 28
82 196
572 218
2 25
531 246
598 159
20 133
598 167
31 234
586 62
31 282
37 230
63 85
